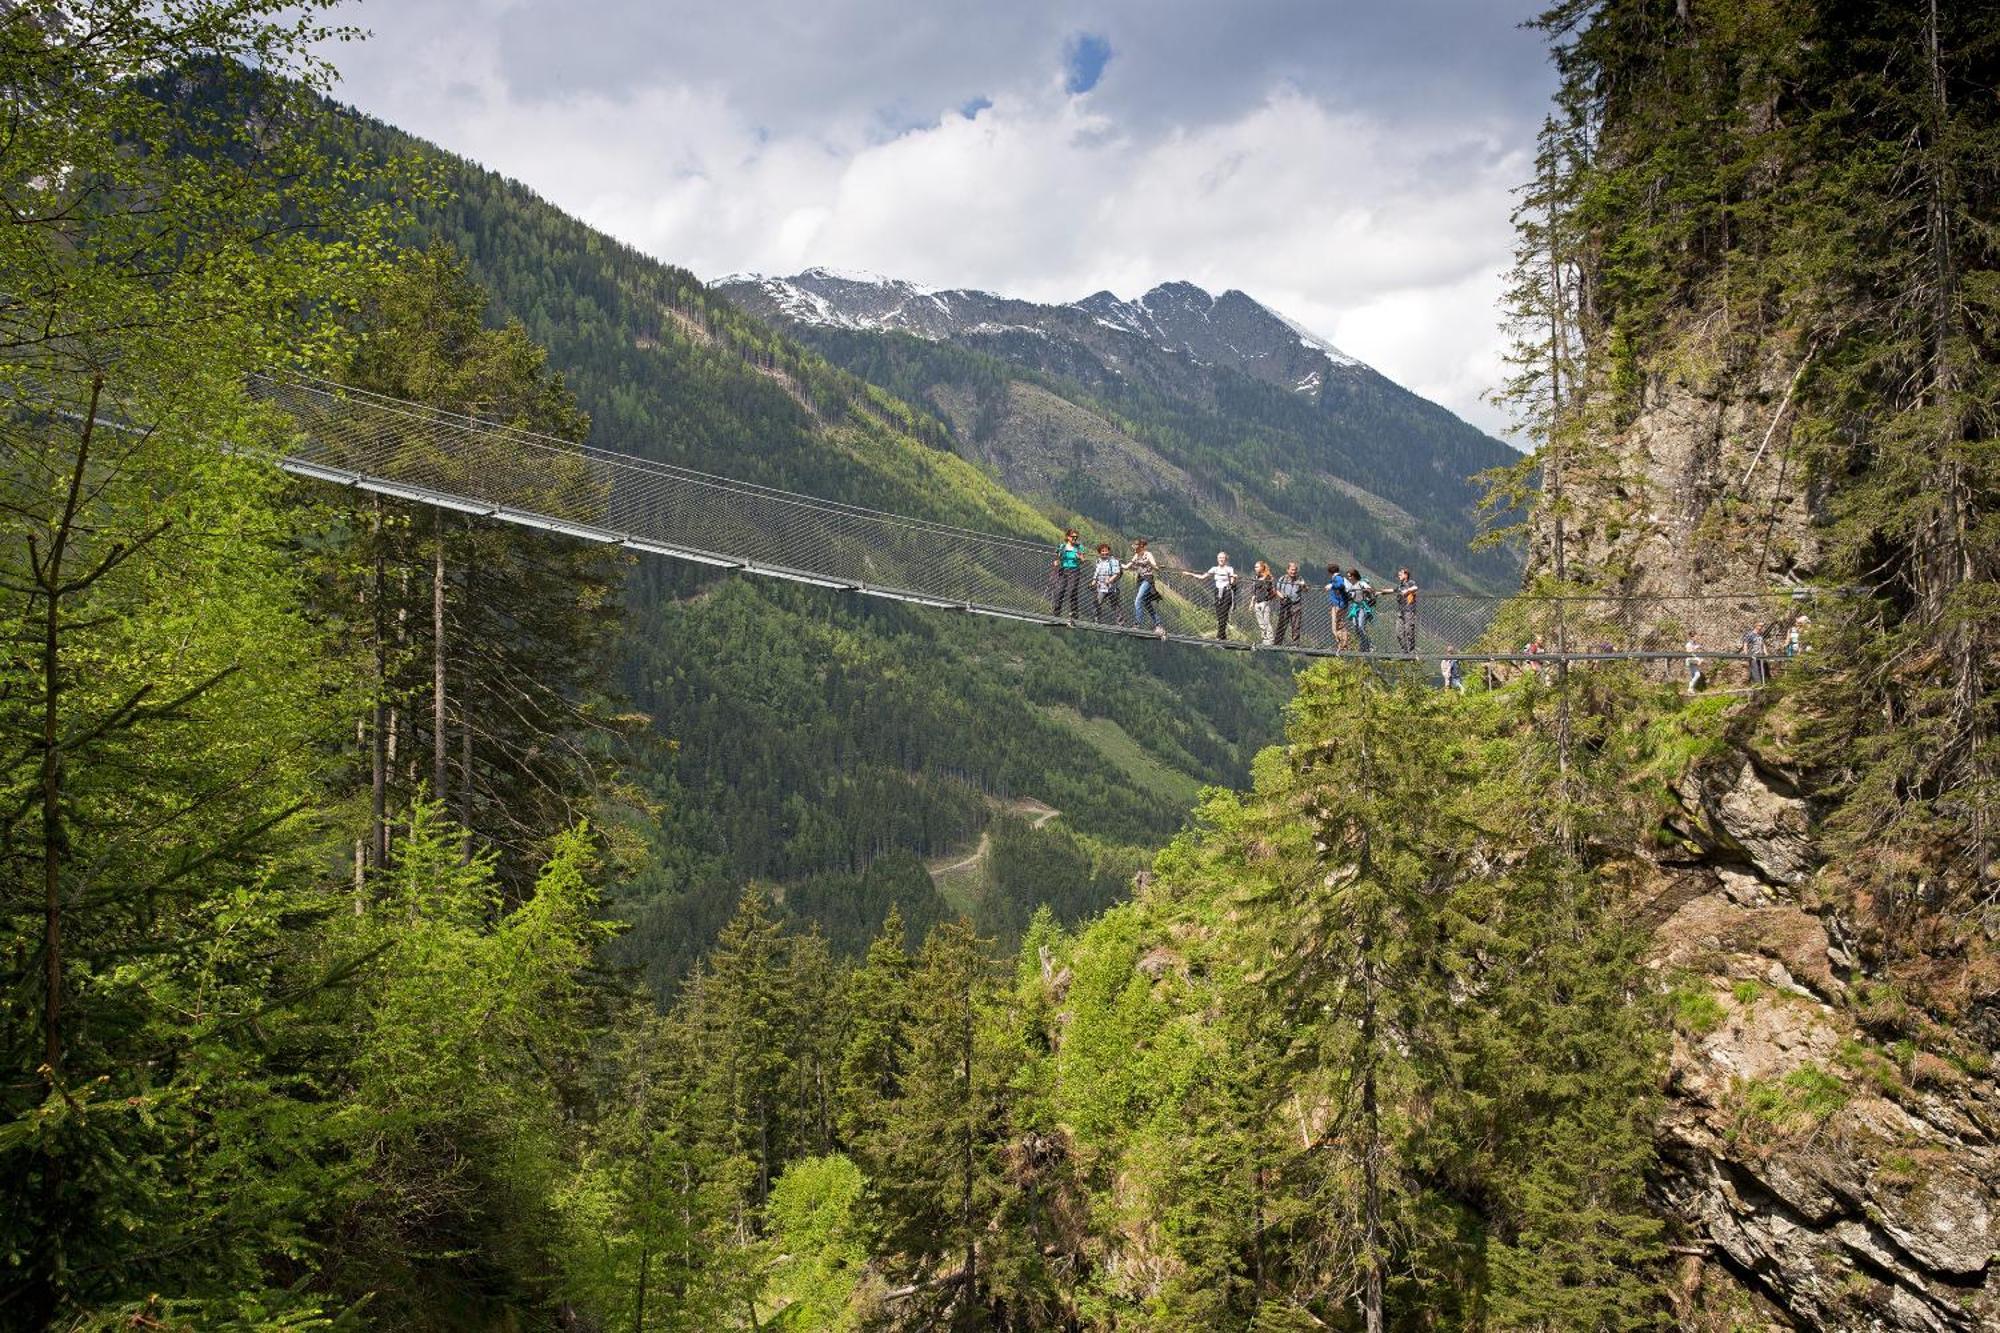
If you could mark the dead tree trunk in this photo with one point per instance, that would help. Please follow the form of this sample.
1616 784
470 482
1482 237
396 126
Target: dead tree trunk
378 791
440 737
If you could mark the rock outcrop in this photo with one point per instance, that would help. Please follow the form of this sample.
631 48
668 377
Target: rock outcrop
1827 1169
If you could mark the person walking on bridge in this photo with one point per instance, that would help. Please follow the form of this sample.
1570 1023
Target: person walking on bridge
1449 669
1066 572
1146 597
1104 577
1406 611
1291 601
1753 644
1360 608
1222 576
1264 602
1336 606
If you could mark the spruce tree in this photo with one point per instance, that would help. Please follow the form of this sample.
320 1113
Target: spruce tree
934 1155
872 1060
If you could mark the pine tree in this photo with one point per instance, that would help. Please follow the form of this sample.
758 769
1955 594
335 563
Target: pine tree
871 1062
746 1028
489 643
934 1159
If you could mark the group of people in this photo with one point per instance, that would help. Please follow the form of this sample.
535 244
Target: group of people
1278 603
1276 600
1756 644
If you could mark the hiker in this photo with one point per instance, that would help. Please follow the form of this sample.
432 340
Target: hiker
1360 608
1753 644
1693 663
1533 649
1066 572
1222 575
1336 606
1145 598
1264 601
1449 670
1104 576
1291 601
1795 636
1406 611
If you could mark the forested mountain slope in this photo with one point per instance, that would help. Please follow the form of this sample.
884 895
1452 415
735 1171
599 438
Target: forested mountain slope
820 742
1199 420
1758 295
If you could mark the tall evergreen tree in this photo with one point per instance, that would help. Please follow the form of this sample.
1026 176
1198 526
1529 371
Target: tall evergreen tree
489 643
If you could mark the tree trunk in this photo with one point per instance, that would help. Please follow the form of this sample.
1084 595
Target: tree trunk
1373 1259
968 1154
639 1306
378 792
1371 1153
49 575
1954 566
440 739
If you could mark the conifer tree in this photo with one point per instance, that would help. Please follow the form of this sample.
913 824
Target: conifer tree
489 643
872 1060
745 1020
934 1152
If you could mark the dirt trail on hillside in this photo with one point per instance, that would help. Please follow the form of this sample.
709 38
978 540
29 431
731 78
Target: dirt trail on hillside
1037 814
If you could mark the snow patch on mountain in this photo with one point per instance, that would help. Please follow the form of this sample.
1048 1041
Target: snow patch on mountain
1178 319
1307 338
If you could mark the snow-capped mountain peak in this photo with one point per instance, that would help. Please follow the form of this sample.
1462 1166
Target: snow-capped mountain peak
1178 319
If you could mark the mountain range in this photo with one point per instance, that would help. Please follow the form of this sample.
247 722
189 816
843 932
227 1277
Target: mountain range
1207 420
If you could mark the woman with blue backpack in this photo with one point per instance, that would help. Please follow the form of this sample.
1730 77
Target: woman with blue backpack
1336 606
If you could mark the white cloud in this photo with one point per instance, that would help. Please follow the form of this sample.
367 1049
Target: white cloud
1383 231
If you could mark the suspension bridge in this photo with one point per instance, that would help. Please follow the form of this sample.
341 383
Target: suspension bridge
408 451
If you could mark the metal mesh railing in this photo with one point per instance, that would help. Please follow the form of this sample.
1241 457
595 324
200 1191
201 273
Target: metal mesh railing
417 453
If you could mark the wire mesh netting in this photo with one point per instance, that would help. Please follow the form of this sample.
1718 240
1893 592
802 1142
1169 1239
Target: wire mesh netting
418 453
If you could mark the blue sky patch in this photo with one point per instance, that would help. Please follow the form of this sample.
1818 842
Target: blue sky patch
972 108
1085 55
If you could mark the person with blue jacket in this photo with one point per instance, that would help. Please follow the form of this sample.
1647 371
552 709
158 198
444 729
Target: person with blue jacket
1336 605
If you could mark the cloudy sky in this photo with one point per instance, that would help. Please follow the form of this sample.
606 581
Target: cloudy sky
1348 162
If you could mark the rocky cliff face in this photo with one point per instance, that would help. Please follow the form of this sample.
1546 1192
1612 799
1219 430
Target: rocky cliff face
1699 492
1831 1144
1832 1140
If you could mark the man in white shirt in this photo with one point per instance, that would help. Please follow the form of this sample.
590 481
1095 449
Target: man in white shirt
1222 577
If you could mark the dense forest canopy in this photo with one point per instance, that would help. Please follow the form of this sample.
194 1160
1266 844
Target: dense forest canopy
411 923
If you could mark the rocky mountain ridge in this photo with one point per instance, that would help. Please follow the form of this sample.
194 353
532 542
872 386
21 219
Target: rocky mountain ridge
1206 422
1177 318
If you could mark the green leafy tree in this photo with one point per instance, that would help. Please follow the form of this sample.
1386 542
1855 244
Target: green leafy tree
162 698
815 1219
